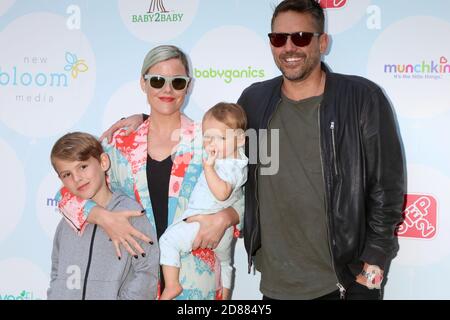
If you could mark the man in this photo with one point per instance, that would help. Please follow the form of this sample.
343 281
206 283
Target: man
323 225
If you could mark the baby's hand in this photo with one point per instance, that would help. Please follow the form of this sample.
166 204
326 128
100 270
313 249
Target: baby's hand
211 156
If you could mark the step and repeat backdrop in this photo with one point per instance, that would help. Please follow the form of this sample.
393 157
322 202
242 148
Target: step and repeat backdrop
75 65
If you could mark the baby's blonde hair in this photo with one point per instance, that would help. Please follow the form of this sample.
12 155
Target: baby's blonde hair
231 114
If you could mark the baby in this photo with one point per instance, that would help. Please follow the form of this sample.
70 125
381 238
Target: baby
219 187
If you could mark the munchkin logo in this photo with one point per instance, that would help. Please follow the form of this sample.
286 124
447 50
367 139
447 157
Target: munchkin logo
420 217
17 77
332 4
156 13
423 70
52 202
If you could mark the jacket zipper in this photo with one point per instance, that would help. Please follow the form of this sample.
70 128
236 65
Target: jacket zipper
339 285
89 263
334 148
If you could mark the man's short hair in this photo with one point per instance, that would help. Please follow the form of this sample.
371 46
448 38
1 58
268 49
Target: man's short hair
311 7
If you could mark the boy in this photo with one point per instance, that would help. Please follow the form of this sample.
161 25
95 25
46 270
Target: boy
86 267
219 186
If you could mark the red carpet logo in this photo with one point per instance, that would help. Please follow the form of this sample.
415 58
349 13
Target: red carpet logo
420 217
332 4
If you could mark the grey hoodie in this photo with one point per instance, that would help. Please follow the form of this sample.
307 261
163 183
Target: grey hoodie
92 255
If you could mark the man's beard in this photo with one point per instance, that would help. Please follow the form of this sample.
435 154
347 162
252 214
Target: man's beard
304 72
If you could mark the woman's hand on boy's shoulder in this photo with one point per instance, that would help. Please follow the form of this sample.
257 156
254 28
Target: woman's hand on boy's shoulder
119 229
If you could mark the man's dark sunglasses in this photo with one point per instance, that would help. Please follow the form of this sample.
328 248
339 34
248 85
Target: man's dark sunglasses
300 39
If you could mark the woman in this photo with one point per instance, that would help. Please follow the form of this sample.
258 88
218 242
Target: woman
158 164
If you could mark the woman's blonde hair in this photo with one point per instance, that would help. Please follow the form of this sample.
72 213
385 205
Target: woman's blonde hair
164 53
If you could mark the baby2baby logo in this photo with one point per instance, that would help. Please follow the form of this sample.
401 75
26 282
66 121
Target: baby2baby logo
157 12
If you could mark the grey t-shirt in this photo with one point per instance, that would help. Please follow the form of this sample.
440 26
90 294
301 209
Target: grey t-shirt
294 258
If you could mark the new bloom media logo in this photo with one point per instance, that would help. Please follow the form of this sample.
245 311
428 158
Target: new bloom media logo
39 78
332 4
75 65
420 217
434 69
157 12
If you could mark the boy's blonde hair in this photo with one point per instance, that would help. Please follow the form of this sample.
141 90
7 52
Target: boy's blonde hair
230 114
76 146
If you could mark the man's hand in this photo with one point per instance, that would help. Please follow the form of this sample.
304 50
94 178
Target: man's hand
131 122
119 229
377 276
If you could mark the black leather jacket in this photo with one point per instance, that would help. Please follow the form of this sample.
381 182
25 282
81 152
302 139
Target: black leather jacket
363 170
